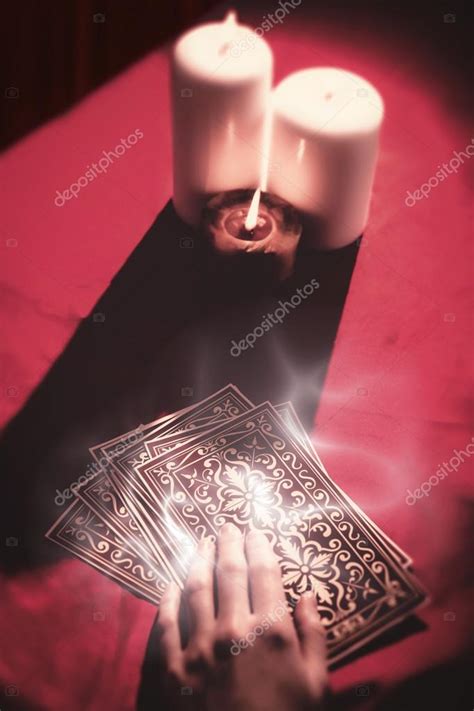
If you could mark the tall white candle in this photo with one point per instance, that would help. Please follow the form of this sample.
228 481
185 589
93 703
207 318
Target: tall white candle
221 88
324 147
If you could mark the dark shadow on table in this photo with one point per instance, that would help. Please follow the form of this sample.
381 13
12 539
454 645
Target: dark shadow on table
412 625
158 340
446 686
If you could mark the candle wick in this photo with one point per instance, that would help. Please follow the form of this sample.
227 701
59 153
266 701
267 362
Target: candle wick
252 215
231 18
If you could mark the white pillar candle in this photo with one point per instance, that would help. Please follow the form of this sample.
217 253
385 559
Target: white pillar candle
325 136
221 89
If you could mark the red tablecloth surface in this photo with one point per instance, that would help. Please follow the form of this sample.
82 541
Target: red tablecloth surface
395 402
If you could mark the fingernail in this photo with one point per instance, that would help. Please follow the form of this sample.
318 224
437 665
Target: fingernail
229 529
256 535
309 600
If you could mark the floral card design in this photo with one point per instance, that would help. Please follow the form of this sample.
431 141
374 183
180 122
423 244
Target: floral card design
223 405
112 493
85 535
252 472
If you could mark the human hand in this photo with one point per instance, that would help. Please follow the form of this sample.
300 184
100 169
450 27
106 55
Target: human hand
244 652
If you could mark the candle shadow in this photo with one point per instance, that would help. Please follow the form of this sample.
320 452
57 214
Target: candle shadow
157 340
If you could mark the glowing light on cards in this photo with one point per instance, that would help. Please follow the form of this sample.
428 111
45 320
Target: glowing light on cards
176 532
262 494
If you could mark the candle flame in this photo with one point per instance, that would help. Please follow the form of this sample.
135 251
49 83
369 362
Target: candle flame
252 215
231 18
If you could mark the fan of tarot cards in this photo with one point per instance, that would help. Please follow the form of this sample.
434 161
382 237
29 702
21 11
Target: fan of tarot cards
224 459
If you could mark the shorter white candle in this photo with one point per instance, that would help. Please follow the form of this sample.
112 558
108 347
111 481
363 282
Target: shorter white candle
325 136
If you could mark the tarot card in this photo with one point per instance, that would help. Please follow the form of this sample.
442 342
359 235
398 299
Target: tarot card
103 500
99 495
138 498
116 513
291 419
287 412
157 446
119 503
251 471
222 405
101 540
166 442
116 446
82 533
108 503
